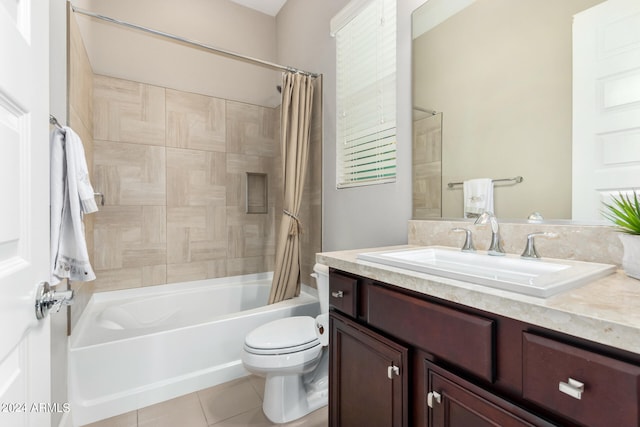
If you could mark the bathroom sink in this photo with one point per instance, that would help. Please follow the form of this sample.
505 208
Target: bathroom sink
536 277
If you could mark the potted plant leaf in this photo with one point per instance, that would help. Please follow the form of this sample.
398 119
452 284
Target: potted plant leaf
624 212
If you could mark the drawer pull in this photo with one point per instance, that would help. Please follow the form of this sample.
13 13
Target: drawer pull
392 370
338 294
572 387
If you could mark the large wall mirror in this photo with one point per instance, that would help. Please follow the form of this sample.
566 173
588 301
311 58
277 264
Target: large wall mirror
492 97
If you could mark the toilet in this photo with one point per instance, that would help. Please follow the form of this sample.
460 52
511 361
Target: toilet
292 354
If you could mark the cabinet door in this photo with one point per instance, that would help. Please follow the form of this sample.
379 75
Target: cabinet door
368 379
454 402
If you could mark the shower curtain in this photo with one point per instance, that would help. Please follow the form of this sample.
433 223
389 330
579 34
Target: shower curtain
297 96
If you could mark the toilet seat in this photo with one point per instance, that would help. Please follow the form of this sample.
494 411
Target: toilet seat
283 336
286 350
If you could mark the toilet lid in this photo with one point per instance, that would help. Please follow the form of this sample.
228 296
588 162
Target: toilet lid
295 333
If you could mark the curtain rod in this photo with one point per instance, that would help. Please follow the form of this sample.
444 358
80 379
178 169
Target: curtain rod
217 50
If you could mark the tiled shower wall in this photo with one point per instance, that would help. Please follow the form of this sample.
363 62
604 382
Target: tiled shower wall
80 117
172 166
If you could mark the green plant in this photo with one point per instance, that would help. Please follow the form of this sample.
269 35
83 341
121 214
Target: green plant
624 212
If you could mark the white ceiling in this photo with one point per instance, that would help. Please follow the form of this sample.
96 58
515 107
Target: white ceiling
270 7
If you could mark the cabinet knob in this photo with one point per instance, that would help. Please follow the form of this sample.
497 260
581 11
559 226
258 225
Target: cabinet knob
433 396
572 387
337 294
392 370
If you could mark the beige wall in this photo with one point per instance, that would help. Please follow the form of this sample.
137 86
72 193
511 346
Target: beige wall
500 72
129 54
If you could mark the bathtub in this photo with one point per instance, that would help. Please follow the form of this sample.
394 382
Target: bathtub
136 347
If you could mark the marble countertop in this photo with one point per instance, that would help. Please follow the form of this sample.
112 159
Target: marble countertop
605 311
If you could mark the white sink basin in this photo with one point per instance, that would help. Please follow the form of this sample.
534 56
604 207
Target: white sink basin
536 277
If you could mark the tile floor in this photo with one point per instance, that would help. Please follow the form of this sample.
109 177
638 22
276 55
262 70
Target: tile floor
237 403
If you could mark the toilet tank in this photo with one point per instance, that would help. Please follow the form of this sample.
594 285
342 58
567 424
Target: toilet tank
321 274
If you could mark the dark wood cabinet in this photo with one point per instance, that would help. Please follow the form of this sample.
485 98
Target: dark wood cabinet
343 294
579 384
454 402
445 332
368 377
400 358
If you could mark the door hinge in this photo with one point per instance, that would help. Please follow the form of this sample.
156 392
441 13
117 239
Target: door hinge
431 396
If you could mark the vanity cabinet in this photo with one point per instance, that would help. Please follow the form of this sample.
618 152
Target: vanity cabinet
368 377
401 358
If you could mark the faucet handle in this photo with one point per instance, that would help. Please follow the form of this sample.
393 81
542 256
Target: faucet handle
530 249
468 241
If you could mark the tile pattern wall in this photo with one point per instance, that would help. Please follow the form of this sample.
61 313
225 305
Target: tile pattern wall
80 116
126 111
173 167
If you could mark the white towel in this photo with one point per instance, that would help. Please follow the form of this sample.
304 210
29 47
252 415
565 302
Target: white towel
71 196
478 197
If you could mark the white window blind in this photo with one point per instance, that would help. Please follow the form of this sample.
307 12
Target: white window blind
366 96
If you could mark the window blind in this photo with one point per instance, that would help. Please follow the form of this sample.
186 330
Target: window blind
366 96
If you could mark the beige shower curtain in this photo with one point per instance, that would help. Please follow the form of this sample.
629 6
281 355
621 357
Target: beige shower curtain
297 95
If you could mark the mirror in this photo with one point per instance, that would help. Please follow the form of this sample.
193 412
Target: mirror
492 98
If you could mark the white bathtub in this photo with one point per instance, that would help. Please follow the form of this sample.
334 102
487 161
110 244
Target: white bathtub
136 347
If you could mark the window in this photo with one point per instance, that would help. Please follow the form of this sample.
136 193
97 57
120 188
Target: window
366 92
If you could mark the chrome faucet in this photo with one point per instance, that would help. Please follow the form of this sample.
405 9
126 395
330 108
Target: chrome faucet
530 248
468 241
495 248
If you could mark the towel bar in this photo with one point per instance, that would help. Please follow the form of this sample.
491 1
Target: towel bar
515 179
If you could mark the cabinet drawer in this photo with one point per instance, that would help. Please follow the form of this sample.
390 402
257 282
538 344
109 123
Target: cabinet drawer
459 338
343 293
606 392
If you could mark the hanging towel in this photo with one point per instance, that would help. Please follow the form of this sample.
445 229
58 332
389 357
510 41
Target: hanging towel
478 197
71 197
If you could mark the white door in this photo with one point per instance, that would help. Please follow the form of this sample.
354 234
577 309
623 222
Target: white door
606 104
24 211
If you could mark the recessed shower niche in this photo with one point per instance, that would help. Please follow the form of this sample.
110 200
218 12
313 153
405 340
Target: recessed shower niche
257 199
